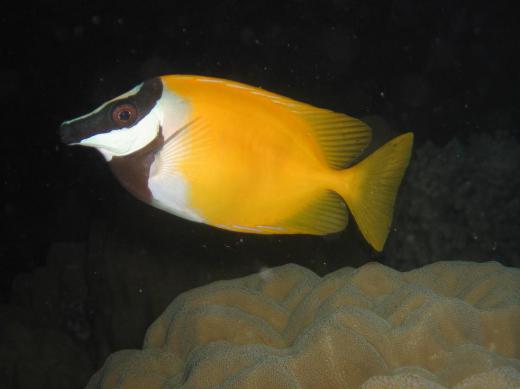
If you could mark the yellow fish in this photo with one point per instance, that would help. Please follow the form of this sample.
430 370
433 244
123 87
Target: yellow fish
244 159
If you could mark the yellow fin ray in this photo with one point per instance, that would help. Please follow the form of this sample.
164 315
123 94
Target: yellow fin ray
180 146
341 137
370 188
325 215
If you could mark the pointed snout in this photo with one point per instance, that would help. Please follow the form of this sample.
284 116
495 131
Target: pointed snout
75 130
67 134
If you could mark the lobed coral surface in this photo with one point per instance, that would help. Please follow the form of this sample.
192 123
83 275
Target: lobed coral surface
449 324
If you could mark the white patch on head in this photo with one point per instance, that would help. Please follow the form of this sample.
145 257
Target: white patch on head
169 113
127 140
174 112
170 193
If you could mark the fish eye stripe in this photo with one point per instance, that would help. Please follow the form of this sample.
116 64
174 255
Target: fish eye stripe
103 121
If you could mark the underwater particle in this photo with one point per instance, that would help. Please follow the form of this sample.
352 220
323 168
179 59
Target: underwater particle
247 36
78 31
96 19
265 273
415 90
341 46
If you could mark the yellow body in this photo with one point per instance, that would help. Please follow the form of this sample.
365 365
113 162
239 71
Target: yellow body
259 162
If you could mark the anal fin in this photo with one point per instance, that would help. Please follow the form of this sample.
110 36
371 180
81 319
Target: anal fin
324 215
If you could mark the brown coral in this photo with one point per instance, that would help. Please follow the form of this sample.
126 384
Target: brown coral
454 324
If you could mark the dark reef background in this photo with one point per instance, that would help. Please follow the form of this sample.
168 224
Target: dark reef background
85 268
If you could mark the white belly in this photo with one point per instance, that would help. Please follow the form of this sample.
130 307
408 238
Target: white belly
170 193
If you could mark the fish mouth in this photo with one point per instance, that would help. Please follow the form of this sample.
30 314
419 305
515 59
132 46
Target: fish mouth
72 133
67 134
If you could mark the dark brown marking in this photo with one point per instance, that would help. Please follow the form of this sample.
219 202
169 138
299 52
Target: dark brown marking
133 170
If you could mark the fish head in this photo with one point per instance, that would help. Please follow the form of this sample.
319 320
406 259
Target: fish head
120 126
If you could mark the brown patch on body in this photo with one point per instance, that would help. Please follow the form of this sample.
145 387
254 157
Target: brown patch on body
133 170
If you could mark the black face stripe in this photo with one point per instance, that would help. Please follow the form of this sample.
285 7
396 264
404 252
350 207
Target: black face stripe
101 122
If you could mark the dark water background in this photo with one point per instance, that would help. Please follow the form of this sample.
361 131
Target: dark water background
87 267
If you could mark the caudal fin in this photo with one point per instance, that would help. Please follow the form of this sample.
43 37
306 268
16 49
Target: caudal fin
370 187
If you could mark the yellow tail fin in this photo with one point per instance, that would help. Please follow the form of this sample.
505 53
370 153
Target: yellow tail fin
370 187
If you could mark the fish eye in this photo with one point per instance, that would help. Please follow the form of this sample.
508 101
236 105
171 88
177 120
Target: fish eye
124 114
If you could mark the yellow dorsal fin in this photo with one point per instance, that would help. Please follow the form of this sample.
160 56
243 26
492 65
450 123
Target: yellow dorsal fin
340 137
325 215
